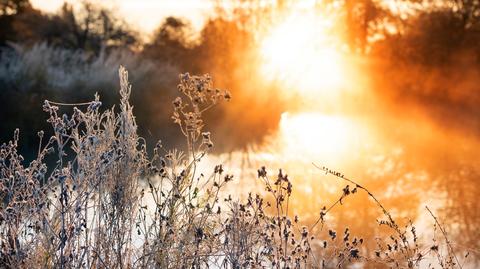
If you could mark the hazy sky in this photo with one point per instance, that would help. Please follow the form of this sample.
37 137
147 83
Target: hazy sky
144 15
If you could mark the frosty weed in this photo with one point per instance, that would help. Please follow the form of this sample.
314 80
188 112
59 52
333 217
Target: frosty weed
107 204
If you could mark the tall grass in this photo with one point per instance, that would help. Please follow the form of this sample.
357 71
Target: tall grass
107 204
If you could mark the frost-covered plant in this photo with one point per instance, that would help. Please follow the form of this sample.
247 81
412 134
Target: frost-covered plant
91 209
83 212
107 204
177 216
200 97
23 202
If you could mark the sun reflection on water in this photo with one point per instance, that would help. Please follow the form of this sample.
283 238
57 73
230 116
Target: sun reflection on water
313 135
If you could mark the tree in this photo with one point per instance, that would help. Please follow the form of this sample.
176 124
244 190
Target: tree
13 7
9 11
173 43
92 29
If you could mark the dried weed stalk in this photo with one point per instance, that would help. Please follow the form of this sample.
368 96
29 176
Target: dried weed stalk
107 204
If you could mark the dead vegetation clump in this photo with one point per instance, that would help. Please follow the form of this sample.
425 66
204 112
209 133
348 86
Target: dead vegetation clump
108 204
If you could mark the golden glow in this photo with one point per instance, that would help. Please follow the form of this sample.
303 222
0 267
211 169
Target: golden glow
299 53
313 135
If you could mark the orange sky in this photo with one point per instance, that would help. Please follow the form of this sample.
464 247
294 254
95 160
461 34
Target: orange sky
144 15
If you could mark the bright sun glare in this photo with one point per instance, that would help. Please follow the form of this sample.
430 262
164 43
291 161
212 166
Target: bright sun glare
312 135
297 52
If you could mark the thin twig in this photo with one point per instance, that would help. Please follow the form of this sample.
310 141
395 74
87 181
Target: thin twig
445 236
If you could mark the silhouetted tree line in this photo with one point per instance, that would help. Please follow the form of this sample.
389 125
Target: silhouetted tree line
92 29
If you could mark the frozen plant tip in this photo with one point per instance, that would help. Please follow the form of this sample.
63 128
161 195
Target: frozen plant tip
199 96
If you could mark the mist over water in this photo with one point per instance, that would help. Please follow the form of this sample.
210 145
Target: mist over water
388 98
400 150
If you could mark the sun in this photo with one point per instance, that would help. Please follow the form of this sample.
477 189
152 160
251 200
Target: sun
298 52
